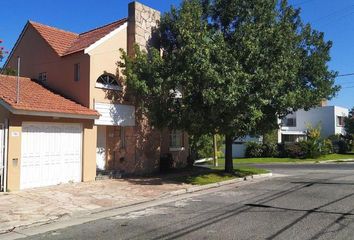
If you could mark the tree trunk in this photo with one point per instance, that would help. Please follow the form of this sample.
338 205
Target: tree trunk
229 165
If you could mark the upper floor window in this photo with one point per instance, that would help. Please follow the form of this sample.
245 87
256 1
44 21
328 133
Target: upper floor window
289 122
340 121
77 72
42 77
108 81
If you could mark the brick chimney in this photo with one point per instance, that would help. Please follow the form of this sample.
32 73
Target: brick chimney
142 20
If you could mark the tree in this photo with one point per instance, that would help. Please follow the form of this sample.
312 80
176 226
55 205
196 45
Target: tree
2 51
349 124
238 64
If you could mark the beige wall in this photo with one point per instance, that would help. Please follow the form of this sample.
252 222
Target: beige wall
14 147
103 59
37 57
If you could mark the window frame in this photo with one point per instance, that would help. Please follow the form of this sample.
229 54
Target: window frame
176 140
107 86
77 74
42 77
340 121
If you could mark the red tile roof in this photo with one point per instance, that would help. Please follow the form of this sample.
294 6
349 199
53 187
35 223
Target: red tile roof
59 40
88 38
34 97
65 43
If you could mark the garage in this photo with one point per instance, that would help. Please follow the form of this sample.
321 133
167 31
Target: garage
51 154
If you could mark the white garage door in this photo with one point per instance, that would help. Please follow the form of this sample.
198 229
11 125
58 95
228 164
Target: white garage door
51 154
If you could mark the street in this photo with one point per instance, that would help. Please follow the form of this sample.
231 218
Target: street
310 202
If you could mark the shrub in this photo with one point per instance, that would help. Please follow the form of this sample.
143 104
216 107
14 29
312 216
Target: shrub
254 150
341 144
327 147
311 148
270 150
293 150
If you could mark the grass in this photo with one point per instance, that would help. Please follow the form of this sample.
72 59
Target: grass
289 160
208 176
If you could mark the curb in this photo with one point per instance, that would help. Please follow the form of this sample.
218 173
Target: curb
337 161
216 185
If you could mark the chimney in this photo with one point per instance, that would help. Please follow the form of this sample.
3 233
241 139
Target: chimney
142 20
324 103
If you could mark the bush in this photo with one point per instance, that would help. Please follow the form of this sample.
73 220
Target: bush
341 144
327 147
311 148
254 150
293 150
270 150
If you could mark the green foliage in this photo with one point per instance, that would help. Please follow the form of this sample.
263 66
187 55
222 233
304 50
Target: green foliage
202 147
239 65
341 143
254 150
349 127
271 137
270 150
8 71
292 150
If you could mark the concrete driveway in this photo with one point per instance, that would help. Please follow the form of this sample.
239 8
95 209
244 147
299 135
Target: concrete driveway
53 203
311 202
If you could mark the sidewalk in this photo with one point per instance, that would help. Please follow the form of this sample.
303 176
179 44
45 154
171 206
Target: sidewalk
44 205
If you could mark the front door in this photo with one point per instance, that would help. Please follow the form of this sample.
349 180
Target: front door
101 148
2 148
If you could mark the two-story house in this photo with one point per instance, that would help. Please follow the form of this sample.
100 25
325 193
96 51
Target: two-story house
330 119
69 114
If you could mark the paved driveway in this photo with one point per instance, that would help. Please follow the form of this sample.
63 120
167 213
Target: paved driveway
53 203
312 202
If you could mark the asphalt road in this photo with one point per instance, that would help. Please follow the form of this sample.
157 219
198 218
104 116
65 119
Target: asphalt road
311 202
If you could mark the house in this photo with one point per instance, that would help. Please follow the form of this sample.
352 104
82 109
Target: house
330 119
239 146
72 114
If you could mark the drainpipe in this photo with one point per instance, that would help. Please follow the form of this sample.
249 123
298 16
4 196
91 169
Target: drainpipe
6 154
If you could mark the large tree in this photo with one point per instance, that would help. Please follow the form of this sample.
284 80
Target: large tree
238 64
349 123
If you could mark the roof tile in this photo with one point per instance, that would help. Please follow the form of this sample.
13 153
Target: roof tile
35 97
65 43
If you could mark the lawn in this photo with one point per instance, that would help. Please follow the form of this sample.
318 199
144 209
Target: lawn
208 176
289 160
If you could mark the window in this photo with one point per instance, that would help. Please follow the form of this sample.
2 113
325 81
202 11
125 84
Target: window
176 140
42 77
77 72
340 121
292 138
122 137
108 81
289 122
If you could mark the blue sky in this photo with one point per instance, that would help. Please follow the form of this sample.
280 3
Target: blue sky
334 18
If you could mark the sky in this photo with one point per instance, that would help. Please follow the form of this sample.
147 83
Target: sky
333 17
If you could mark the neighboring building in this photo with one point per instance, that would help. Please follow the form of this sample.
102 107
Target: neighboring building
240 145
330 119
49 139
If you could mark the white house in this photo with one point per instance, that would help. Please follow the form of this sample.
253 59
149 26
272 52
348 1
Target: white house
329 118
293 128
239 146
